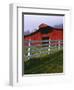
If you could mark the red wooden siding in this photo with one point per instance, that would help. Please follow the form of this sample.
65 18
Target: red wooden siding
53 34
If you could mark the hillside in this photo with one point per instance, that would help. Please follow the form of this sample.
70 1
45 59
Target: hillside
52 63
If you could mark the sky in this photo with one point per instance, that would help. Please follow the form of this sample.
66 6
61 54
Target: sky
32 22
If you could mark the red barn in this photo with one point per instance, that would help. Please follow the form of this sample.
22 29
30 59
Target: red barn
45 32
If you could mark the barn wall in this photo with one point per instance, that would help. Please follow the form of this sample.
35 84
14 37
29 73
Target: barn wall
54 35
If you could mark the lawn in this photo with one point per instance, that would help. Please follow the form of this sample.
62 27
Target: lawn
49 63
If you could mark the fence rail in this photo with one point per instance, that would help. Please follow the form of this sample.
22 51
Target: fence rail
34 48
40 40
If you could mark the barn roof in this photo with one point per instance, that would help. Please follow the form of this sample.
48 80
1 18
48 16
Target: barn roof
42 27
48 27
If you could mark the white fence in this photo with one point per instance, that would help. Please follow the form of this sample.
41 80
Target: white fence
34 48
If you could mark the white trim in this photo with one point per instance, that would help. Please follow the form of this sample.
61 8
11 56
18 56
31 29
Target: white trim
13 30
16 77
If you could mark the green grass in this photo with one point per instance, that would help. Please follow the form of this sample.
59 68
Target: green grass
52 63
39 51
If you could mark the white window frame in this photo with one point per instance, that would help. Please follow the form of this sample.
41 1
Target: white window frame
16 77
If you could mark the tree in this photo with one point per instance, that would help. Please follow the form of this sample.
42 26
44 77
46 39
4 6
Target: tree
26 32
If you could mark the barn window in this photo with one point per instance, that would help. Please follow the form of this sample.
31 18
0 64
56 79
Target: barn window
45 41
45 30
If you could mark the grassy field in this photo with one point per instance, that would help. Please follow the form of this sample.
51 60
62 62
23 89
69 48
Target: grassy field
36 52
50 63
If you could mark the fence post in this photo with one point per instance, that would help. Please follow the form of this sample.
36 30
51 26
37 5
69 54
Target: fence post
29 53
49 47
59 44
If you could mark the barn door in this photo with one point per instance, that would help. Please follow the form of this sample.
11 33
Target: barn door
45 42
